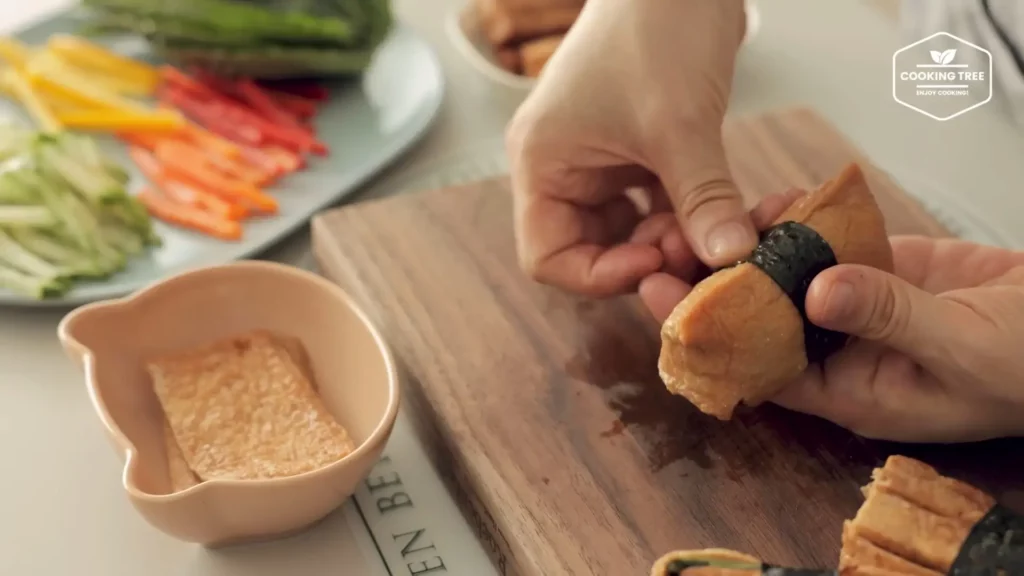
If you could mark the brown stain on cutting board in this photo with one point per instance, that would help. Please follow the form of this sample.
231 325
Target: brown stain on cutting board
544 411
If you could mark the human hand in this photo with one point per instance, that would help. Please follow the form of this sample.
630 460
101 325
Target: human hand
634 97
938 349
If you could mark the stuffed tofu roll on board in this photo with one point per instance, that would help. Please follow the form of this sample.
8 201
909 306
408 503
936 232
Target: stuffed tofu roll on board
742 333
917 522
722 562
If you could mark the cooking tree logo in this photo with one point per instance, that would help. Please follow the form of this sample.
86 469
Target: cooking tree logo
942 76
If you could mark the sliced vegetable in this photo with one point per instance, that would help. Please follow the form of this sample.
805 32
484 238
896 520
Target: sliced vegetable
260 101
212 142
212 120
85 54
303 108
25 93
45 60
182 192
212 203
64 213
16 255
118 120
27 216
286 160
75 89
13 52
186 216
183 162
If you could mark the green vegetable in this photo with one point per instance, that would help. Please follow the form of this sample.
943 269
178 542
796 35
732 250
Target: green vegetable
64 213
270 63
262 39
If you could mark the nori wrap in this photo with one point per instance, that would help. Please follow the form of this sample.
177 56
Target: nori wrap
720 562
994 547
792 254
916 521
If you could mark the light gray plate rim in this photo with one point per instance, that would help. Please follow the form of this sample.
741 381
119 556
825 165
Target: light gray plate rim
399 141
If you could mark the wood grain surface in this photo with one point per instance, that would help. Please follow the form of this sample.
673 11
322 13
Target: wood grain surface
545 412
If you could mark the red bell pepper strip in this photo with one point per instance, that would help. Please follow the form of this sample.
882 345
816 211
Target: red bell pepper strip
262 103
211 117
304 108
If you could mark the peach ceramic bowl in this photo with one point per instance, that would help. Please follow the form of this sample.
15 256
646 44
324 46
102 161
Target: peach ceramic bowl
353 369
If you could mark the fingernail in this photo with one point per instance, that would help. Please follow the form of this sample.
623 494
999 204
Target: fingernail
729 239
839 302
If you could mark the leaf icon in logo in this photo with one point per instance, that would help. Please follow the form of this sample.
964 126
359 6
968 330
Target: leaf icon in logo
948 55
936 56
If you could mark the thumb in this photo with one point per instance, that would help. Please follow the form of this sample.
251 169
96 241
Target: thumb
874 305
708 204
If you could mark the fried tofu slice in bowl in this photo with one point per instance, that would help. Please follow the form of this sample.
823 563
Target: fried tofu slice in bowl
247 401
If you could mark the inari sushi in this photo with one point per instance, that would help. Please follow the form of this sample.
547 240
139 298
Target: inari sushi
722 562
917 522
742 333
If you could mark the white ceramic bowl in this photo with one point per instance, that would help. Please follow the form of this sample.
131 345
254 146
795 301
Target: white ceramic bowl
464 29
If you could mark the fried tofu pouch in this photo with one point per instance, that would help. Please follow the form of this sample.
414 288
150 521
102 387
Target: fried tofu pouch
245 408
913 521
512 21
678 563
737 337
535 54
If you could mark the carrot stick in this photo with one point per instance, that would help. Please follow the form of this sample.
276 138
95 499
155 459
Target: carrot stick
182 162
146 162
286 160
186 216
157 175
210 141
233 169
144 140
199 198
261 160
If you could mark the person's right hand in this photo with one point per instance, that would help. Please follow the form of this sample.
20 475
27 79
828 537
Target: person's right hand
938 354
634 97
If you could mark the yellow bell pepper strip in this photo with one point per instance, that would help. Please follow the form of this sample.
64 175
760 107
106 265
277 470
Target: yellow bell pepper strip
46 61
70 87
14 53
122 121
80 52
22 90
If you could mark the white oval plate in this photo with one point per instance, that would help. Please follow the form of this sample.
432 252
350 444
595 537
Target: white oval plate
463 28
367 123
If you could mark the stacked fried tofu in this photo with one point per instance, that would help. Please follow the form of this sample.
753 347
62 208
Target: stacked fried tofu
526 33
244 408
913 521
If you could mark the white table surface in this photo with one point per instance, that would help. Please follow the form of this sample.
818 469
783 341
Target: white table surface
62 510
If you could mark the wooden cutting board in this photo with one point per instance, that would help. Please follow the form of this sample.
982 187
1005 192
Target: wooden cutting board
545 411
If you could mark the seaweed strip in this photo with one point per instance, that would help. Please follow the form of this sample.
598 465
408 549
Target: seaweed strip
994 547
679 568
780 571
792 254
